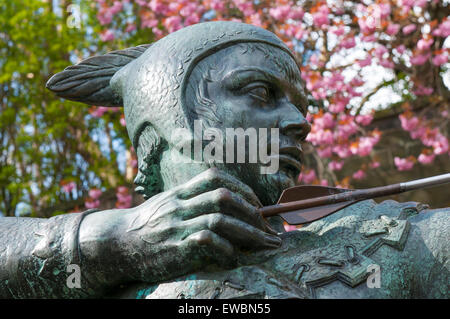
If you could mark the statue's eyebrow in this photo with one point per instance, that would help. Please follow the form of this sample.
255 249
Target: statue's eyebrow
240 77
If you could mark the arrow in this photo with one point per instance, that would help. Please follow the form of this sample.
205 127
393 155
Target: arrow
304 204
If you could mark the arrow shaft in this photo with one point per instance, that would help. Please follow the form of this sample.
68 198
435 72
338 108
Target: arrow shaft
354 195
426 182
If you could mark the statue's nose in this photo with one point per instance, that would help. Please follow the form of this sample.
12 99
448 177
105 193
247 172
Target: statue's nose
297 127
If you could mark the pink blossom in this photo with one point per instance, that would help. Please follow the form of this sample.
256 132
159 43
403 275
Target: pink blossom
367 25
122 189
387 64
369 38
188 10
364 119
337 107
69 187
319 94
410 28
325 121
401 49
364 146
92 204
343 151
380 51
217 5
420 59
116 7
384 10
420 3
294 32
107 35
418 132
426 159
430 137
324 152
192 19
440 59
348 43
335 165
98 111
424 44
320 18
149 23
307 177
440 145
124 199
392 29
130 28
157 7
122 121
319 137
324 182
104 17
403 164
356 81
374 164
359 174
246 7
421 90
256 20
338 30
157 32
173 23
296 13
280 12
443 30
95 193
344 131
367 61
408 124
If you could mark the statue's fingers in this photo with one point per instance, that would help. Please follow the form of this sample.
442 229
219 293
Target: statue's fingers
234 230
214 178
223 201
206 244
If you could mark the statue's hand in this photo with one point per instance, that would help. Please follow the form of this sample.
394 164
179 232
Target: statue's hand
187 228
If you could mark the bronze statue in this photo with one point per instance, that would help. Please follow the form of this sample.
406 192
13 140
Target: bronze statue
199 234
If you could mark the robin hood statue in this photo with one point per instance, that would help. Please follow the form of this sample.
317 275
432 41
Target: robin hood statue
198 234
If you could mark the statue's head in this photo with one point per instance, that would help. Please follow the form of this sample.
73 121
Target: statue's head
215 75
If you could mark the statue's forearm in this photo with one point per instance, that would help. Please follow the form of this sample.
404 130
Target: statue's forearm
35 254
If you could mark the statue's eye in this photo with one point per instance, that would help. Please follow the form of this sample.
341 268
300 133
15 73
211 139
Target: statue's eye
261 93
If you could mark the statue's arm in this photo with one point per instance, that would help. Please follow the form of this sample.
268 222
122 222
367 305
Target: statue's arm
34 255
427 254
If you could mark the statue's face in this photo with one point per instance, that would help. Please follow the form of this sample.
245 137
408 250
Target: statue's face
261 91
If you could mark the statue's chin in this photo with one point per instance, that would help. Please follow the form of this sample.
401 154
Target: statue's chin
268 187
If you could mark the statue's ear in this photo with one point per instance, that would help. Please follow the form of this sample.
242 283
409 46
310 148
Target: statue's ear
88 81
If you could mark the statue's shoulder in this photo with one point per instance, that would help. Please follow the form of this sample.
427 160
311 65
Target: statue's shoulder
407 243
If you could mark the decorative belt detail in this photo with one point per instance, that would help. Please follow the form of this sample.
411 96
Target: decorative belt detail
351 255
330 262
